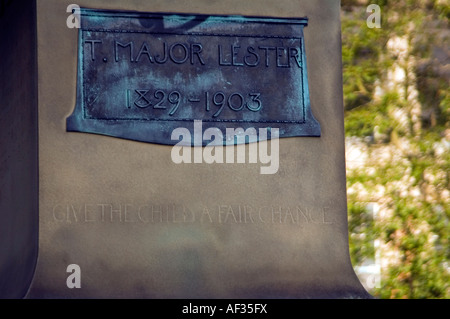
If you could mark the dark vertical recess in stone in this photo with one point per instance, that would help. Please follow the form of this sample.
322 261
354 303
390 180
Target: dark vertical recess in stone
18 147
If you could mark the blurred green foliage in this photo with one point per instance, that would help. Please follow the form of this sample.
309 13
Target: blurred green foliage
415 182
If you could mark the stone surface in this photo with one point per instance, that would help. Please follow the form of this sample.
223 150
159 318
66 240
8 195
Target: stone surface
141 226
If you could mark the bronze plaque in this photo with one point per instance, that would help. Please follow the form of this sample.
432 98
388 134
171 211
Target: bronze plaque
142 75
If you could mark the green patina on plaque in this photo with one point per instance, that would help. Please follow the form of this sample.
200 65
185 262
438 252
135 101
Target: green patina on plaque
142 75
